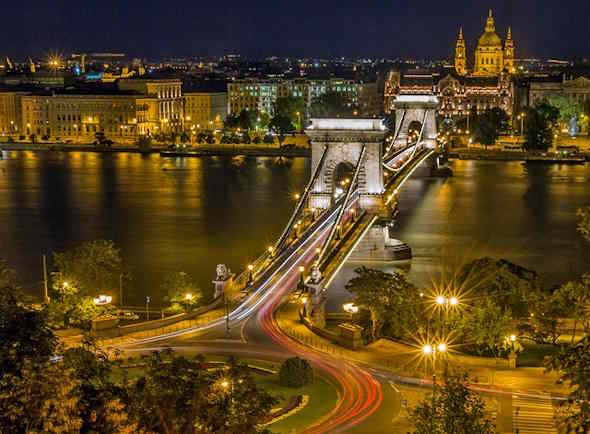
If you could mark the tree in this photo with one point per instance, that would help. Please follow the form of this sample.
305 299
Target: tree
93 268
543 325
281 125
506 283
452 410
332 104
99 399
539 123
387 297
24 333
179 395
182 293
238 404
295 372
566 107
291 107
144 143
489 125
584 223
41 399
184 137
69 308
572 299
573 364
486 325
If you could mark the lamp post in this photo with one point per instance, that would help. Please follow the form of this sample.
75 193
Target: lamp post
147 307
446 303
188 298
351 309
521 117
301 281
429 350
250 277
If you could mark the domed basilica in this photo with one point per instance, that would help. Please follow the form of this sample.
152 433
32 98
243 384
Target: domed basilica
491 56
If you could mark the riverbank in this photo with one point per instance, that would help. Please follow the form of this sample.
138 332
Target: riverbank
76 147
502 155
235 150
164 150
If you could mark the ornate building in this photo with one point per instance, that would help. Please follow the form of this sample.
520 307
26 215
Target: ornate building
491 57
457 95
461 55
459 91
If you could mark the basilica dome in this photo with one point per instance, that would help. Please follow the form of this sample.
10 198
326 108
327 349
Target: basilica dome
489 39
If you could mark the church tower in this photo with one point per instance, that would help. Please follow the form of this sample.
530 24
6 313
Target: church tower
489 54
460 54
509 52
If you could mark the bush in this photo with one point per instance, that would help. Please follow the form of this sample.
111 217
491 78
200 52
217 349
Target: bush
269 139
295 372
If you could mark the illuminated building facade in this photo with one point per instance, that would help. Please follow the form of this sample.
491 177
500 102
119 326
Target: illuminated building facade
168 93
78 118
456 94
255 94
491 56
205 109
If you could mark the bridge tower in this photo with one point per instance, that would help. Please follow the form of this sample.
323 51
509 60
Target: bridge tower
344 140
415 112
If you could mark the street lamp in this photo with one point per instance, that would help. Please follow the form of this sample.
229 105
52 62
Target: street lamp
250 268
101 300
188 298
350 308
301 281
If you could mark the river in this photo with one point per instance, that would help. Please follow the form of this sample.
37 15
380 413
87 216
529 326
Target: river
190 214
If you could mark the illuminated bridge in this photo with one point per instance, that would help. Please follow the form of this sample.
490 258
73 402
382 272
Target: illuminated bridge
352 191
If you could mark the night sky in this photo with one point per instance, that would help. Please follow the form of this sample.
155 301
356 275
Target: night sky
370 28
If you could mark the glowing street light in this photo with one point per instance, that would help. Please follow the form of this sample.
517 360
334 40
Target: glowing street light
427 349
102 300
188 296
301 283
250 277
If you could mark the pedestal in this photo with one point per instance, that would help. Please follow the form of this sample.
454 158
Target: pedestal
223 282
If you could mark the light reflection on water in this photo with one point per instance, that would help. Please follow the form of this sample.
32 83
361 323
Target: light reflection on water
191 214
165 214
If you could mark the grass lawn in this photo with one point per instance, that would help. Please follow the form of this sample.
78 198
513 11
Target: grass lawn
322 399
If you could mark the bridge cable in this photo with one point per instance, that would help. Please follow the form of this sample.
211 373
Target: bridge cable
396 133
386 164
343 207
302 200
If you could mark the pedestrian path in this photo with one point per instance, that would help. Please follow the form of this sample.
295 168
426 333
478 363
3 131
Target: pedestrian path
532 415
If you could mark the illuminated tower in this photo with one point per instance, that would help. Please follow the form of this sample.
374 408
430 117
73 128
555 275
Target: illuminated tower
509 52
489 56
460 54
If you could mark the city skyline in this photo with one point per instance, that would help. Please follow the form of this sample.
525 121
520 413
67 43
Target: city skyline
543 29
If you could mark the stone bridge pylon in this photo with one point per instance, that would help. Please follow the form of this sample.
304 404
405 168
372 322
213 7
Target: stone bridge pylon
415 112
346 140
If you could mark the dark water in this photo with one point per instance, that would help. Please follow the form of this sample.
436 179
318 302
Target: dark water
201 212
524 213
165 214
